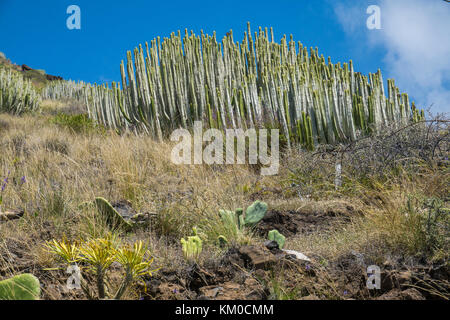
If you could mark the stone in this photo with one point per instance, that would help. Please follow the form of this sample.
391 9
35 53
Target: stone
26 68
210 292
271 245
258 257
250 290
260 274
297 255
250 282
387 281
169 290
11 215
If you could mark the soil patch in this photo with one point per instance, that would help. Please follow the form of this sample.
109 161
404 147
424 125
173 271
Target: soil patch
290 223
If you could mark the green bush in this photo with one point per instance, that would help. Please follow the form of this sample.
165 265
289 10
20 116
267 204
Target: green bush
77 123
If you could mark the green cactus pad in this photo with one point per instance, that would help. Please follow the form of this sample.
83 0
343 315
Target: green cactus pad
21 287
113 218
255 213
274 235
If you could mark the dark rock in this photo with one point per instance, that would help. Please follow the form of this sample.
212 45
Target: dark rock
271 245
412 294
11 215
258 257
260 274
153 286
53 78
441 272
388 281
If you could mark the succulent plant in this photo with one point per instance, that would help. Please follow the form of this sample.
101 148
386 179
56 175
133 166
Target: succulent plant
21 287
17 95
192 247
274 235
113 218
255 213
97 257
60 90
171 83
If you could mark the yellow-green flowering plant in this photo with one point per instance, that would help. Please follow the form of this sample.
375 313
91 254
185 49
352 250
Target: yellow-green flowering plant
97 255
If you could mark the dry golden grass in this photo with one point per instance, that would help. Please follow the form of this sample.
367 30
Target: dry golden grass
64 169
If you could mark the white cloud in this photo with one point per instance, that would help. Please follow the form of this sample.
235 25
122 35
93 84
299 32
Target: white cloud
348 17
416 37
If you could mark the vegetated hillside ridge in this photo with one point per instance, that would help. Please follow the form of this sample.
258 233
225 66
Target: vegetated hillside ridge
77 188
175 81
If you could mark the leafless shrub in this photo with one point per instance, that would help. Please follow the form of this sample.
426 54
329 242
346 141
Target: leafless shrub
409 147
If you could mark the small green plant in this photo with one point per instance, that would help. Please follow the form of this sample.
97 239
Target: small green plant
274 235
79 123
97 255
21 287
192 247
235 222
133 259
255 213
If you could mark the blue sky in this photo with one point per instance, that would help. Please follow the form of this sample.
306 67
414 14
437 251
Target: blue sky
35 33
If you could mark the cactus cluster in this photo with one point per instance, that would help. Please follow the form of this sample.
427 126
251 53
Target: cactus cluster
255 83
60 90
17 95
254 214
192 247
173 82
237 221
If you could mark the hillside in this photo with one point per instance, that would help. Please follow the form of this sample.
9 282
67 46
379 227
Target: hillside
88 179
39 78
